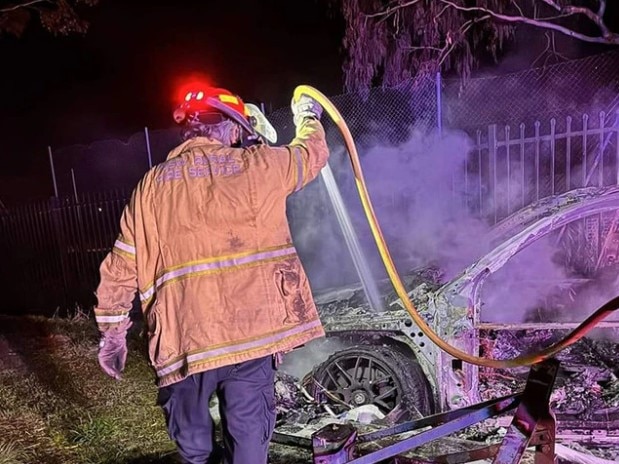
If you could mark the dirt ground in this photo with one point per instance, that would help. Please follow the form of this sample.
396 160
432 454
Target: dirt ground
56 407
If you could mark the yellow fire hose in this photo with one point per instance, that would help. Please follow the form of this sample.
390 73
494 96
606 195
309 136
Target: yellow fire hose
524 360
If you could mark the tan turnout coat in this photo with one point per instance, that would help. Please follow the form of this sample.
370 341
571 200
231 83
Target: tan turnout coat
205 241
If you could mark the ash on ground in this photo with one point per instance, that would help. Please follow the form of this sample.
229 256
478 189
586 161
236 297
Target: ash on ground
585 398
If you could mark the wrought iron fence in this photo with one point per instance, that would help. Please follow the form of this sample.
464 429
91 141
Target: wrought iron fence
511 167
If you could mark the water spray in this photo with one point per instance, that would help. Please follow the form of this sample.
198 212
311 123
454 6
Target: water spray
352 241
523 360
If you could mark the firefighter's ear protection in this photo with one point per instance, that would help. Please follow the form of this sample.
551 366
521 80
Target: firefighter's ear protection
261 125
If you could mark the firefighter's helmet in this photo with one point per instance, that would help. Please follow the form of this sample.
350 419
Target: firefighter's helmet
211 105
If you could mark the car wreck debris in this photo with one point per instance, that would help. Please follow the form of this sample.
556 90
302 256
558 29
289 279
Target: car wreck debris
384 360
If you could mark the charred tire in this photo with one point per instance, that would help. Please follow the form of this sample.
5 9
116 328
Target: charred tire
379 375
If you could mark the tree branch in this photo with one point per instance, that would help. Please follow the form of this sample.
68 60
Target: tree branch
595 18
414 49
440 13
513 2
22 5
391 9
607 37
450 45
552 4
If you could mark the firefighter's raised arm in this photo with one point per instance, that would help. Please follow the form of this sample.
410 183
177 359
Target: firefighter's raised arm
308 152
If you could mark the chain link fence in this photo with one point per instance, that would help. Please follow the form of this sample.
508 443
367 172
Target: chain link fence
571 89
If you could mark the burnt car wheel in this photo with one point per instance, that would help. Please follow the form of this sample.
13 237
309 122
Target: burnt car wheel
376 375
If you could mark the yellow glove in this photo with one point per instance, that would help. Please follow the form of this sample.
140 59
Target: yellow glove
305 107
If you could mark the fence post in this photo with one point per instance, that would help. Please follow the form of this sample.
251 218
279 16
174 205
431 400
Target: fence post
553 127
479 174
585 119
537 158
74 185
602 126
492 180
617 145
439 104
523 175
568 154
508 161
60 235
51 163
150 159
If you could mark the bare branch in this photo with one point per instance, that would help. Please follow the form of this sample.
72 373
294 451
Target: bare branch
22 5
607 37
450 44
515 3
440 13
550 3
549 52
463 29
599 22
467 25
392 9
414 49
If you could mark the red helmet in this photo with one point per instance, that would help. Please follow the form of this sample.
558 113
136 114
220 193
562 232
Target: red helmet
211 105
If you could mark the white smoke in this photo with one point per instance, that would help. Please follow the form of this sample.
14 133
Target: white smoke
417 194
419 205
521 288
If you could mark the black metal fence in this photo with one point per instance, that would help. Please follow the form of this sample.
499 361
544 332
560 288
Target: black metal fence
52 250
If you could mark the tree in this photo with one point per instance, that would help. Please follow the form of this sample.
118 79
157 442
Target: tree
59 17
388 42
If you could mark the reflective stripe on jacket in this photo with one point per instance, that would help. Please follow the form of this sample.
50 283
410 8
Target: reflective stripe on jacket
205 241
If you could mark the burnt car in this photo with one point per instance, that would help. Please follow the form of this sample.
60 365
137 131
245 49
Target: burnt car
382 358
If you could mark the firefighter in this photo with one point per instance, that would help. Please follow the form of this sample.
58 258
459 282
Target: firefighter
205 241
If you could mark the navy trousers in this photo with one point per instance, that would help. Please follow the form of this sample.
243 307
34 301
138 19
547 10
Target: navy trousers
246 393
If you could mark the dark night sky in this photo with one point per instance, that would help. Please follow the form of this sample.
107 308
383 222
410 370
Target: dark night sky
122 75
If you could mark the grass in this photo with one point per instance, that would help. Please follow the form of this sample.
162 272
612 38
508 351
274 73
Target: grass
56 406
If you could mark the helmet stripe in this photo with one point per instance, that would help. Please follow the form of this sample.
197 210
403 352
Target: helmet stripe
229 99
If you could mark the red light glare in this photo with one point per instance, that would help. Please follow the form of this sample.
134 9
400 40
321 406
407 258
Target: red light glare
191 87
